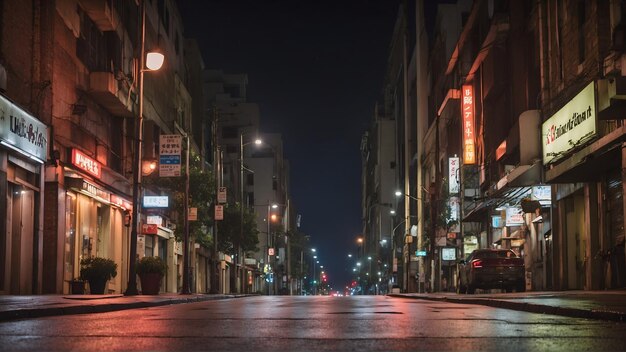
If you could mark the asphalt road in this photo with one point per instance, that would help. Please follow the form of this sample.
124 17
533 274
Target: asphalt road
282 323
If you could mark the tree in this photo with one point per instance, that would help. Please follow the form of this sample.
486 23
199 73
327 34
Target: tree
201 192
230 230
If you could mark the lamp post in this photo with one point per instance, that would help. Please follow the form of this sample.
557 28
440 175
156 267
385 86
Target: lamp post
419 245
150 62
239 251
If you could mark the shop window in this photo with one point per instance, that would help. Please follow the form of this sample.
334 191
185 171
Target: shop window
69 254
162 249
149 251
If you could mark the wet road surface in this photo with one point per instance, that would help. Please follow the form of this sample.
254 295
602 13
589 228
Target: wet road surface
286 323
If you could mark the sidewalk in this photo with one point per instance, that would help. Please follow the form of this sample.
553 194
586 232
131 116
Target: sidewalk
604 305
34 306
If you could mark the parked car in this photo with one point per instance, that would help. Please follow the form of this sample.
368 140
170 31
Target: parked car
491 268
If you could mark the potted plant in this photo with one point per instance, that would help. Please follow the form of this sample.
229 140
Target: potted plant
97 271
151 271
77 287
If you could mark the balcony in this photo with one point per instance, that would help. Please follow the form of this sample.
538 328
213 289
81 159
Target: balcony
110 93
101 13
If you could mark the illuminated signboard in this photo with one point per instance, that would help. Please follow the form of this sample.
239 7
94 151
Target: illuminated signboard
571 126
155 201
20 130
467 110
85 163
448 253
120 202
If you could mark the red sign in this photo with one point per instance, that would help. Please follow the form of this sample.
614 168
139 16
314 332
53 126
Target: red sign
467 110
121 202
85 163
149 229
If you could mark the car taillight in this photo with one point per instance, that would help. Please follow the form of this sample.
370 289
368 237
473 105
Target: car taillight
477 264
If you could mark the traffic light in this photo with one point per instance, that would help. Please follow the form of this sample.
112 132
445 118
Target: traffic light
324 279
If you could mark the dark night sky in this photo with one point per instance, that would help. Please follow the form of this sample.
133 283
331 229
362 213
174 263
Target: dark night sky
316 69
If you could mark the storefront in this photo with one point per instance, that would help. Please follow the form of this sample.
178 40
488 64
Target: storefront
96 222
585 160
23 147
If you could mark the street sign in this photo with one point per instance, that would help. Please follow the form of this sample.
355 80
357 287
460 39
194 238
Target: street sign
420 253
219 212
221 195
170 147
193 214
270 251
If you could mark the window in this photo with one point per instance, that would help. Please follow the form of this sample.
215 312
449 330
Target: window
250 180
164 15
114 160
233 91
232 149
250 199
230 132
98 51
149 248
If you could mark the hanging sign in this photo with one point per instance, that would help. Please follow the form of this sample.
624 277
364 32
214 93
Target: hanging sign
453 175
467 111
155 201
170 148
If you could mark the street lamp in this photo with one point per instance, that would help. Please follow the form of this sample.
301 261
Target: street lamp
154 62
257 141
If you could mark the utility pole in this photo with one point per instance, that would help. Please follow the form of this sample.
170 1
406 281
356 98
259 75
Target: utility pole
215 270
186 267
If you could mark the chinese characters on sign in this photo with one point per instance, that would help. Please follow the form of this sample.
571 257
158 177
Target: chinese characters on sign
467 110
170 147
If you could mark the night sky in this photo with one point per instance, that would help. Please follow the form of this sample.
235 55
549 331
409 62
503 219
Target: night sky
316 69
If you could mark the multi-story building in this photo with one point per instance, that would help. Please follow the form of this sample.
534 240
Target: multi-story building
80 78
379 185
581 54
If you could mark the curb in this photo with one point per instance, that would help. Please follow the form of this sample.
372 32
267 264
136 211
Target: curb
102 308
529 307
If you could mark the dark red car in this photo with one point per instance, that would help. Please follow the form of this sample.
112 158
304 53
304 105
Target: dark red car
491 268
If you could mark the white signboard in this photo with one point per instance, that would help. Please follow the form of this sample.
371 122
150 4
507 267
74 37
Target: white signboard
454 204
154 219
453 175
448 253
542 193
155 201
571 126
514 216
22 131
170 147
221 195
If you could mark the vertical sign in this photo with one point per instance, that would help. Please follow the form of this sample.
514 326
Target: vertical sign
467 109
221 195
193 214
170 147
219 212
453 175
